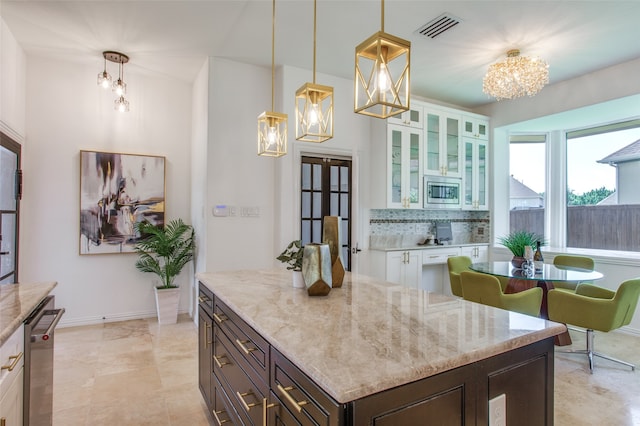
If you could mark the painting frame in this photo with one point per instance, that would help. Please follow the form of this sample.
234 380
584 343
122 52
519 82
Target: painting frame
116 191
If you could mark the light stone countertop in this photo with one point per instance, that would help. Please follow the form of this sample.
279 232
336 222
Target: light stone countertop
427 247
370 335
17 301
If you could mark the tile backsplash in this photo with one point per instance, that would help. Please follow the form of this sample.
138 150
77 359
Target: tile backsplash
390 228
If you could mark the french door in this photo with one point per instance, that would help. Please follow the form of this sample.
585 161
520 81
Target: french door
10 192
326 191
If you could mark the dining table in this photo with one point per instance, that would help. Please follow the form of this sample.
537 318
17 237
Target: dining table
521 279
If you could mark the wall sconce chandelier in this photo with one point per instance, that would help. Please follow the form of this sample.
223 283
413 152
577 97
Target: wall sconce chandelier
118 86
515 76
314 105
382 74
272 126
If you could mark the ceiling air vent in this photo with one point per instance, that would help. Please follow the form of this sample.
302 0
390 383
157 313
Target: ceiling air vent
438 25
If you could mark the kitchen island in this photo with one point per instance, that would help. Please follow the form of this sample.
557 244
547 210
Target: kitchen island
370 352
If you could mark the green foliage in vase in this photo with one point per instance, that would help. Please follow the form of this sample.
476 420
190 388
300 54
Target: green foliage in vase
292 255
518 240
165 251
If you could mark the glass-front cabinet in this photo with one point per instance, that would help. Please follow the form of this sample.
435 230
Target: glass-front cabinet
475 182
404 180
442 143
411 118
477 128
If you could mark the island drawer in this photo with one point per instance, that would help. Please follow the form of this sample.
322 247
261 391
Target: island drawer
246 397
302 397
250 345
222 409
205 299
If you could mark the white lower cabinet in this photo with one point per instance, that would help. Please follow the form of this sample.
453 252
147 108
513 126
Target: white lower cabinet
424 269
11 379
404 267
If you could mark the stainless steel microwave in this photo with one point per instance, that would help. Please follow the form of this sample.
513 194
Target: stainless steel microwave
442 192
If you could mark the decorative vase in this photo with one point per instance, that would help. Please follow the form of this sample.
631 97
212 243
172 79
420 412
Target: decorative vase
167 300
517 261
332 235
298 281
316 269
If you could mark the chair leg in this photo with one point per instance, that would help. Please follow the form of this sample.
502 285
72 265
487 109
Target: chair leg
591 353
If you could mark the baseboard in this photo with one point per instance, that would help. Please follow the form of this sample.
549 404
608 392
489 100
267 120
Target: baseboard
77 322
628 330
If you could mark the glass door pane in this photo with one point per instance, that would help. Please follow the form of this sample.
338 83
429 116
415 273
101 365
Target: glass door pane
433 144
482 174
414 168
9 209
396 166
453 144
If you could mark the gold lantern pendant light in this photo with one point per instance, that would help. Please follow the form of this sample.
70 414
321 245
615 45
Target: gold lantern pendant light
272 126
382 74
314 105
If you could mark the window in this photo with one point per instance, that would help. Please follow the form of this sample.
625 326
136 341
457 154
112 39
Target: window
527 183
603 200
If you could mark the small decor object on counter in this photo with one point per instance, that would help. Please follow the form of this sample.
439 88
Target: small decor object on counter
538 260
332 235
164 251
516 243
316 269
292 256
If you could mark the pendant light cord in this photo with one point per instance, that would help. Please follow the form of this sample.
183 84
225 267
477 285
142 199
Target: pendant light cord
382 16
314 41
273 55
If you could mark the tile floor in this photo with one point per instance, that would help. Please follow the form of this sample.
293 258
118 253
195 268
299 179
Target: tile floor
135 373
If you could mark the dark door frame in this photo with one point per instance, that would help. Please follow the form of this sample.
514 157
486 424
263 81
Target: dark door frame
13 146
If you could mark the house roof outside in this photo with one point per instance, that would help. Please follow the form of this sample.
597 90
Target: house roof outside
518 189
630 152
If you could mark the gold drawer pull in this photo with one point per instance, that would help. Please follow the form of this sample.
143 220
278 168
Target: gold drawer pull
244 403
243 347
265 407
215 414
207 342
296 404
217 359
16 359
219 318
203 299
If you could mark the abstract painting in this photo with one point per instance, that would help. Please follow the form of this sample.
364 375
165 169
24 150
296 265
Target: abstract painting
116 191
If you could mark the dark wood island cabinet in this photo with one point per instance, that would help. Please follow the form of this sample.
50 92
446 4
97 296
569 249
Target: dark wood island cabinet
269 355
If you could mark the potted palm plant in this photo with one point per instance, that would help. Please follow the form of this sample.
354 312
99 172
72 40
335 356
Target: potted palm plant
292 256
164 251
517 241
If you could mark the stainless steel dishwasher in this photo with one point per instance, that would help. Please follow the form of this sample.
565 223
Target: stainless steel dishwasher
38 363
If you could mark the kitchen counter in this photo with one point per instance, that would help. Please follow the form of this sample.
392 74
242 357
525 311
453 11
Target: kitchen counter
370 335
426 246
17 301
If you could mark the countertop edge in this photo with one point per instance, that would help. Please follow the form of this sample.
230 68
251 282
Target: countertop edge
28 296
427 247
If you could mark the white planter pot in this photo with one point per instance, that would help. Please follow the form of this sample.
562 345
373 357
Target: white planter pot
167 300
298 281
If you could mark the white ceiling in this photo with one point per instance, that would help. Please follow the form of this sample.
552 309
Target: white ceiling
175 37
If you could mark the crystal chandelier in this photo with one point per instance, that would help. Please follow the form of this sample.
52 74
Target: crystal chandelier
272 126
516 76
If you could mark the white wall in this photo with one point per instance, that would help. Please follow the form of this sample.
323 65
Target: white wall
12 85
627 181
66 112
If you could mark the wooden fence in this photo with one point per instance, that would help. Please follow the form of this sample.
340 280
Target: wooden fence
614 227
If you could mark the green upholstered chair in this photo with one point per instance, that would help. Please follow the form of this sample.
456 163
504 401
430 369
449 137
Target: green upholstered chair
595 308
486 289
456 265
582 262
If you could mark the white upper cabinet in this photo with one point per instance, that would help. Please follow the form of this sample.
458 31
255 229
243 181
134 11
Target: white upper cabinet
411 118
475 127
442 143
404 167
475 182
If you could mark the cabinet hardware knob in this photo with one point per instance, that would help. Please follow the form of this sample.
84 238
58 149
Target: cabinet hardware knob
296 404
246 350
215 415
219 318
244 403
217 359
16 359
